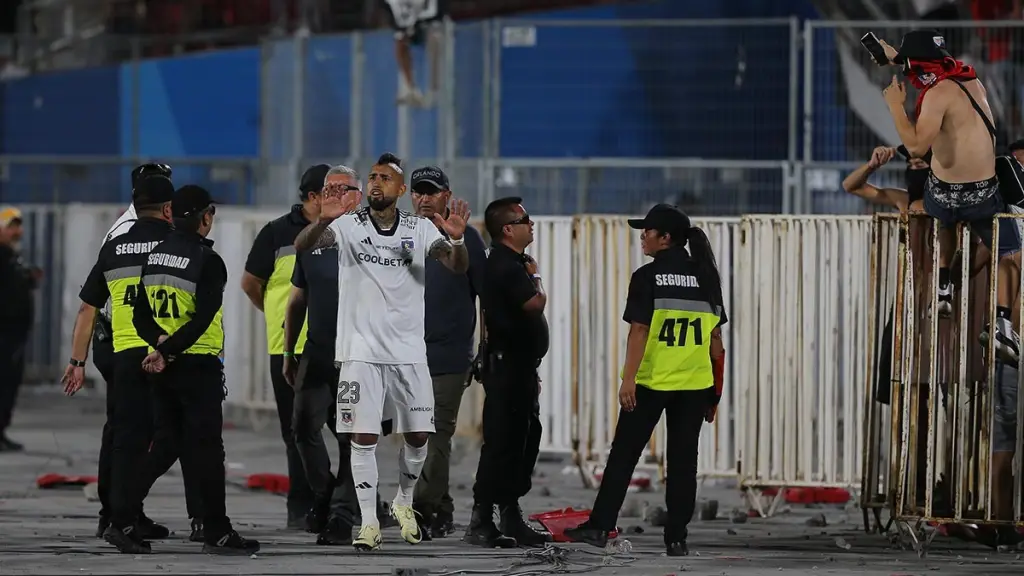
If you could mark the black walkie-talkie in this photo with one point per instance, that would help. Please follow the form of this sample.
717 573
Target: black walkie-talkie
874 47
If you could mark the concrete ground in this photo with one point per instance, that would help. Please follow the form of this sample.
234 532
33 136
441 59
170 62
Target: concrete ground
51 532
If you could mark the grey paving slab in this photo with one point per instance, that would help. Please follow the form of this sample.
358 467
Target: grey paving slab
50 532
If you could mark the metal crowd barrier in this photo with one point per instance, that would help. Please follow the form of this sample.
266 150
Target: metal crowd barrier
932 392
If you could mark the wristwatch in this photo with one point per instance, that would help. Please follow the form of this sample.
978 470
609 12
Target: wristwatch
77 363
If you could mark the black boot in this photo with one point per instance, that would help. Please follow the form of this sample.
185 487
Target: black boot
316 518
126 540
102 526
513 524
482 531
231 544
588 534
675 542
442 526
150 530
197 531
337 533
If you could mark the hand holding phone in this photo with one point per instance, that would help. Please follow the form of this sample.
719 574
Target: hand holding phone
875 48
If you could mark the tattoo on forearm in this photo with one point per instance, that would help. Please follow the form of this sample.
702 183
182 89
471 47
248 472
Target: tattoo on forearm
316 235
455 258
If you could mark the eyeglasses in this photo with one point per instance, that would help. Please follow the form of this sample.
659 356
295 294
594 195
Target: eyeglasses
524 219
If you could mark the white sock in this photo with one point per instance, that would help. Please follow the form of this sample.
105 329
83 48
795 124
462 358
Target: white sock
410 464
364 476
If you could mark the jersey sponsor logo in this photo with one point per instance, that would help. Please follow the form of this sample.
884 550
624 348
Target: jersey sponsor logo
366 241
421 409
168 260
683 280
134 248
384 260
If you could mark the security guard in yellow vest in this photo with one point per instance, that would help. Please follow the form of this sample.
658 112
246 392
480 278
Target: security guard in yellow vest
178 313
675 311
267 283
116 276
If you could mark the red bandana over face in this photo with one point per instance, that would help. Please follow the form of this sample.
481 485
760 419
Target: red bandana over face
924 74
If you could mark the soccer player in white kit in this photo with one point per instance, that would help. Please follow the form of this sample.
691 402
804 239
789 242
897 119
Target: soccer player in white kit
380 344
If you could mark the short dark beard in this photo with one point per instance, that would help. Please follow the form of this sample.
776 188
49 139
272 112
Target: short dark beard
380 204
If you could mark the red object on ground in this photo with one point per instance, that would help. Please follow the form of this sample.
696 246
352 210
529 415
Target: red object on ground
639 480
558 521
812 495
273 483
50 481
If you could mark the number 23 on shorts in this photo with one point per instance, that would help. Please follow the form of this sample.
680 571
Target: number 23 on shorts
677 332
348 392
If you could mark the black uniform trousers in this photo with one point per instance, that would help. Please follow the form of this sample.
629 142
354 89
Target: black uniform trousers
511 430
162 454
12 370
130 425
300 495
316 391
684 415
189 394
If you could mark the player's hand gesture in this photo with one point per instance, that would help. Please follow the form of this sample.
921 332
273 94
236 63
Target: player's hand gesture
895 93
881 156
455 224
338 199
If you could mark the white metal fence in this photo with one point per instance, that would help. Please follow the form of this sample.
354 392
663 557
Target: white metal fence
796 289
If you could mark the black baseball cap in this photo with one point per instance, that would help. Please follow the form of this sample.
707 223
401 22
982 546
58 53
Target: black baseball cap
664 218
313 179
150 169
429 180
152 189
190 199
922 45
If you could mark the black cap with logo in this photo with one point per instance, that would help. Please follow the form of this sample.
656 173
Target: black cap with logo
190 199
313 179
926 45
152 189
429 180
664 218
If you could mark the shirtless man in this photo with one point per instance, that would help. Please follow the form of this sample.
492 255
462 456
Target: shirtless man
962 186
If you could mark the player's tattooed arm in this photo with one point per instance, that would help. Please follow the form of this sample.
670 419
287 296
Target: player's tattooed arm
455 258
316 235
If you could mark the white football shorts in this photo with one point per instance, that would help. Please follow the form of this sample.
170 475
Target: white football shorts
371 393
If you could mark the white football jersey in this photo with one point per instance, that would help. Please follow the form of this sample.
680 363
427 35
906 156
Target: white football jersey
381 276
122 224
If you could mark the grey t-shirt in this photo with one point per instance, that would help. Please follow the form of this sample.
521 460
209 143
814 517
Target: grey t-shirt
450 317
316 272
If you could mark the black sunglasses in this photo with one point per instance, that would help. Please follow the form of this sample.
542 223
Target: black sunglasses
524 219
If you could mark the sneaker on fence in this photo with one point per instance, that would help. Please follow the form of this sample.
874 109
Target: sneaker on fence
945 300
1007 341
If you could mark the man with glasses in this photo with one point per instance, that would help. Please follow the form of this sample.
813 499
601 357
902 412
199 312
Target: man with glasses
517 339
450 321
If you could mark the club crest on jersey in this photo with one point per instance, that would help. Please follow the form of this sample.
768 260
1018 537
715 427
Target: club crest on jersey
346 416
407 245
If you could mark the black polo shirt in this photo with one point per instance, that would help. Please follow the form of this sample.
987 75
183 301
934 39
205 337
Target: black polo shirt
507 286
644 288
272 260
450 314
316 272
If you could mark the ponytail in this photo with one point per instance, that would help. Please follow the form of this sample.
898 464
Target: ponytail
707 267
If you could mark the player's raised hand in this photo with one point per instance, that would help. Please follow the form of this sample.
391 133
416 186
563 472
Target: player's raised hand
338 199
458 215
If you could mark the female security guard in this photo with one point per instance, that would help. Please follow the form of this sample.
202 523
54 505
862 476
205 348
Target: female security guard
674 355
